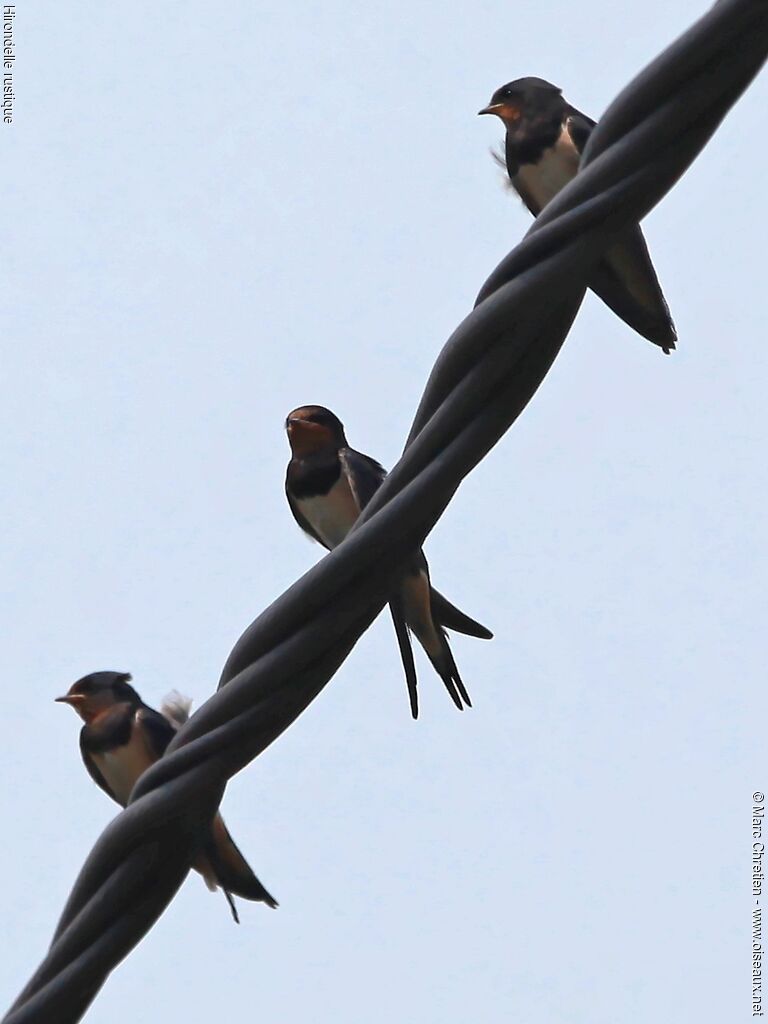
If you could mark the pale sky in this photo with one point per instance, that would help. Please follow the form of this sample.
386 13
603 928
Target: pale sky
214 213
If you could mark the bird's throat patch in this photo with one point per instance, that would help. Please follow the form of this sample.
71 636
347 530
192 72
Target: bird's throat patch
307 437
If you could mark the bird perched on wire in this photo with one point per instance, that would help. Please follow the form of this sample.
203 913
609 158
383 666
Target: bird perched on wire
545 137
328 484
121 738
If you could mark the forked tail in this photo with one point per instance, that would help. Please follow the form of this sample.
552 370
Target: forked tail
449 616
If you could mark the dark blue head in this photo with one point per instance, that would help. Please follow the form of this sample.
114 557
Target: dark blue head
312 428
99 691
525 98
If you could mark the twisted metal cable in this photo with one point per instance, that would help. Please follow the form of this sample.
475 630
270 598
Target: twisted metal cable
485 375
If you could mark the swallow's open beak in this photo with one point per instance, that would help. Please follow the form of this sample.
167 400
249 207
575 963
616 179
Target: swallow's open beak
506 111
70 698
296 423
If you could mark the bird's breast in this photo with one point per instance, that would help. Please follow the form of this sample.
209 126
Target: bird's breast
333 514
556 166
121 766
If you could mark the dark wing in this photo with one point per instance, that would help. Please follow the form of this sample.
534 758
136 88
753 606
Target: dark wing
451 617
626 282
579 127
158 731
233 872
93 771
364 474
295 512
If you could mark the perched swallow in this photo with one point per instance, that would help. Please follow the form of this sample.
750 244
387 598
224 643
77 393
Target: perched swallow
545 139
328 484
121 738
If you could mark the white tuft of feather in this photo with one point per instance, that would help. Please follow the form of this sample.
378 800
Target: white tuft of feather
176 708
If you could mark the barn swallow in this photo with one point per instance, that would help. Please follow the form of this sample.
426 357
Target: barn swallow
121 738
328 484
545 137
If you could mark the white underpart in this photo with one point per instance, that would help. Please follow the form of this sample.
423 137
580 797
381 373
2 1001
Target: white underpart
331 515
122 766
558 164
